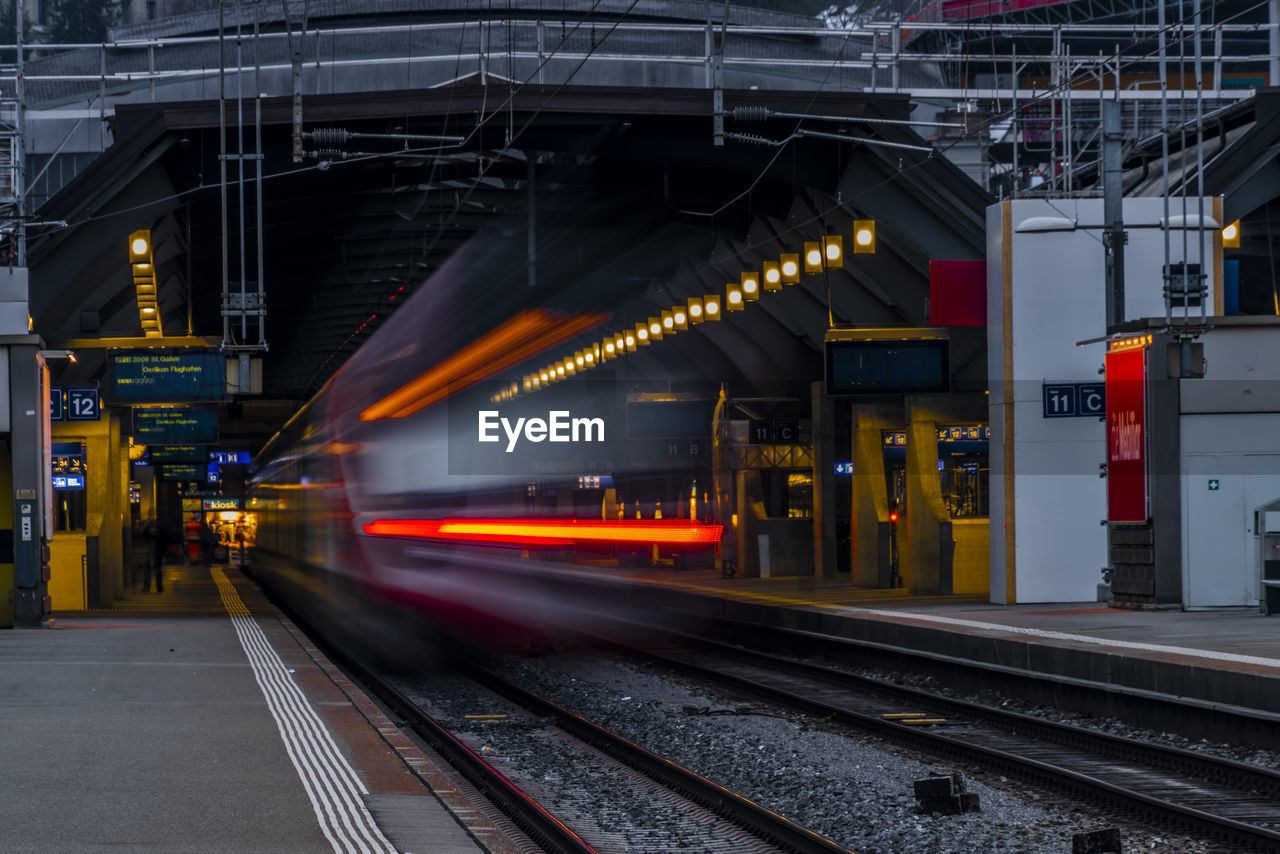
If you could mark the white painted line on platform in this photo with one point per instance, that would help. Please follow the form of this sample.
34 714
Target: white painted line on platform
332 785
776 599
1063 636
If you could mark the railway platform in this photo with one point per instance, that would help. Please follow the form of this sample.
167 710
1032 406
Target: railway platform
1229 658
201 720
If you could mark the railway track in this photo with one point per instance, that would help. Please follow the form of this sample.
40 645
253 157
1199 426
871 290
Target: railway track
694 813
1231 801
572 787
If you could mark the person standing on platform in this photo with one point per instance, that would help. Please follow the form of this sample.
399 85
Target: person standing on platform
154 536
208 539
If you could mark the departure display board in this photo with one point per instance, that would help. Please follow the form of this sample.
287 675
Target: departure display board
175 426
179 454
183 471
887 366
669 419
159 377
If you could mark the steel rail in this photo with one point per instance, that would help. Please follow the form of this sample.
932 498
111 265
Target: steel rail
523 811
1236 831
770 826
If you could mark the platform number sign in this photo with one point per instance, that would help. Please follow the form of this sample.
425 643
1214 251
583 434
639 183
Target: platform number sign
83 404
1059 401
1092 398
1069 400
55 404
761 432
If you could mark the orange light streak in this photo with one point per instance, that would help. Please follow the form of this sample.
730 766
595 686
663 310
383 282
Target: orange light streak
550 532
523 336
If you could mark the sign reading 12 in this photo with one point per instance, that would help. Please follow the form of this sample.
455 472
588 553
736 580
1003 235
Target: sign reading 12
74 404
82 404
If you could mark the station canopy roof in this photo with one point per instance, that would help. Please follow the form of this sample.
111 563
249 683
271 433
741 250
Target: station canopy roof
578 199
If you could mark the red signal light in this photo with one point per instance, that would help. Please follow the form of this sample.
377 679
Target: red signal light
893 516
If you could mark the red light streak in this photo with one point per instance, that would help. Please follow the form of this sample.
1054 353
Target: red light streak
550 532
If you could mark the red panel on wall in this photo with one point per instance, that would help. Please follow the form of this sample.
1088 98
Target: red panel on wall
1126 435
957 293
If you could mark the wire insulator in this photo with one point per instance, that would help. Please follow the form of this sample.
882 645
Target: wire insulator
751 114
335 136
752 138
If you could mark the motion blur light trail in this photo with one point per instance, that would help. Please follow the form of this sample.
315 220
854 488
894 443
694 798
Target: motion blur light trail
550 532
520 338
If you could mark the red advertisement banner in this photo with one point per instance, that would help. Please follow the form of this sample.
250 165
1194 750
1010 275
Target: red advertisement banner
1127 435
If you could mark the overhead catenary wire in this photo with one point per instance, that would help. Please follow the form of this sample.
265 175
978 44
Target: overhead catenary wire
908 166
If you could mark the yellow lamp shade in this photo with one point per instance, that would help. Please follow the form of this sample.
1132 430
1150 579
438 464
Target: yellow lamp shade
789 264
696 314
833 250
813 257
864 236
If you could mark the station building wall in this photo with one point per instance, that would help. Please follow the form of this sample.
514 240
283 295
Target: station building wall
1229 462
1046 293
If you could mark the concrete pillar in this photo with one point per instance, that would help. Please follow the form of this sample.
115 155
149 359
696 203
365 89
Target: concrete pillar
927 542
925 558
28 405
101 548
870 505
750 507
823 431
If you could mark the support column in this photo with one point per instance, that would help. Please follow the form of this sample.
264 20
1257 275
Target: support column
870 510
750 508
28 410
926 557
940 557
823 422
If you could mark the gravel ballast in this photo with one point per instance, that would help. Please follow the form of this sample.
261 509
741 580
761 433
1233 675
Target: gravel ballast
853 791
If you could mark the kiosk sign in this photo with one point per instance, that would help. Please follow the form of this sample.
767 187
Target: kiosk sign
1126 435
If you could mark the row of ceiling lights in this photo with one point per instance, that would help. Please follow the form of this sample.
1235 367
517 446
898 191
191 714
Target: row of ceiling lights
818 255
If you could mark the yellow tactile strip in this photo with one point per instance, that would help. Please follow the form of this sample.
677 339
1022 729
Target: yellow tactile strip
189 592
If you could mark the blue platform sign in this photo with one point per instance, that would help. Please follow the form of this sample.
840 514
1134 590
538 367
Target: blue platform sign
55 404
1071 400
1092 398
83 404
1060 400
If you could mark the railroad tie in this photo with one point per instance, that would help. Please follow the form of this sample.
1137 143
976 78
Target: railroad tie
947 795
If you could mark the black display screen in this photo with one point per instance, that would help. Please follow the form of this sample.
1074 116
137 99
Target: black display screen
669 419
184 472
175 426
179 454
887 367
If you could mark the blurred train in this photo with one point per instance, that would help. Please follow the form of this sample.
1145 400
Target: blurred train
403 487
